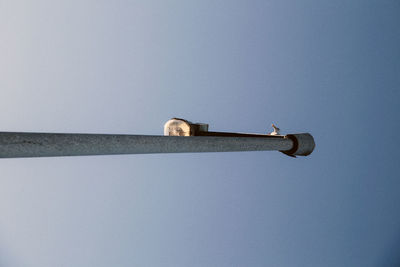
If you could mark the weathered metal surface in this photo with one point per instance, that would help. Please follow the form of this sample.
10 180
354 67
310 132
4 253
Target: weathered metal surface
14 144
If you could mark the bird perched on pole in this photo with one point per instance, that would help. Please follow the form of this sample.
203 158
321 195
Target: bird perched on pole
276 130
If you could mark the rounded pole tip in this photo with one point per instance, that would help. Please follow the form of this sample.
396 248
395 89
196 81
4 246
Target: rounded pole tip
303 144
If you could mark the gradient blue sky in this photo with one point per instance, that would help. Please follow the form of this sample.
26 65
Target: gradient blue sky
331 68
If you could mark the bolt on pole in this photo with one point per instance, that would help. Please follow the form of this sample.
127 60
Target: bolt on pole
181 136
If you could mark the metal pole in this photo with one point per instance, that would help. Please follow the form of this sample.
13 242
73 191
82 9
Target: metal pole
17 144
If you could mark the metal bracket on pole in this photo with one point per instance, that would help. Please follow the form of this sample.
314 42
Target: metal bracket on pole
303 143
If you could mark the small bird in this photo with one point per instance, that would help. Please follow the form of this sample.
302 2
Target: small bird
276 130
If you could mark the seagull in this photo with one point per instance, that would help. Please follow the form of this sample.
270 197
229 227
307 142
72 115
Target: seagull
276 130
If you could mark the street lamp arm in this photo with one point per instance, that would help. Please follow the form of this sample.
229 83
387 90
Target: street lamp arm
25 144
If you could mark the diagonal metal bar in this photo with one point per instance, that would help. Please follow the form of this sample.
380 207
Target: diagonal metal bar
18 144
22 144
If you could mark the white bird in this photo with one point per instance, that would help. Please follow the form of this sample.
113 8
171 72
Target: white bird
276 130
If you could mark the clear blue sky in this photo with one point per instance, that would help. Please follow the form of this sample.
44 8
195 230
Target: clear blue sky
331 68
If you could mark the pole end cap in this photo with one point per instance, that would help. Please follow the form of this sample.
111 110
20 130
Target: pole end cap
303 144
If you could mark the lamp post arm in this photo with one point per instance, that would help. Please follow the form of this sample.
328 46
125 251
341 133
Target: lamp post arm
22 144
